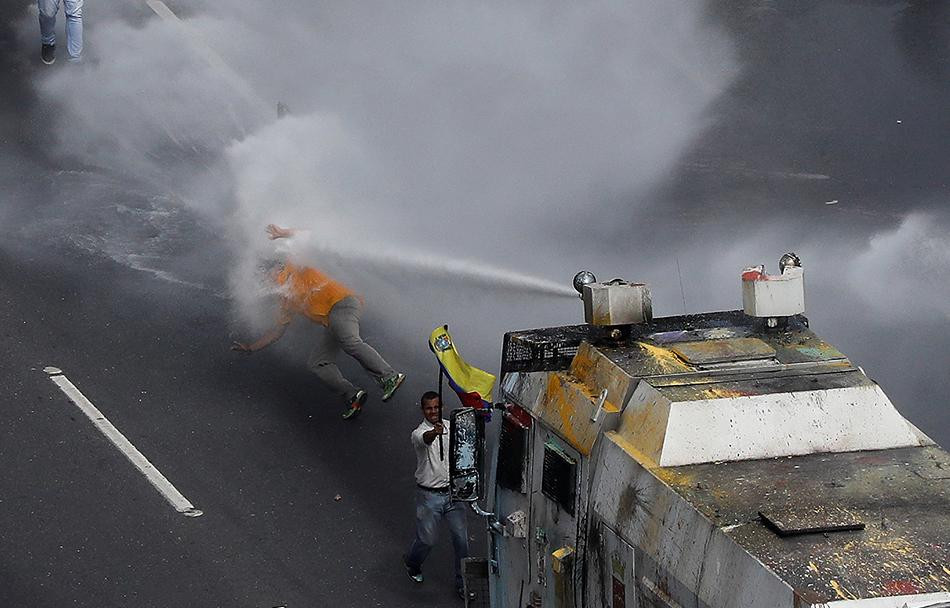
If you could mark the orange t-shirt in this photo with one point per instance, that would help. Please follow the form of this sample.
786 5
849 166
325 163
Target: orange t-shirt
309 292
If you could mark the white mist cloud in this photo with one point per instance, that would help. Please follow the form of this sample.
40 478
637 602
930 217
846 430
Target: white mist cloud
905 272
486 135
143 105
894 276
494 136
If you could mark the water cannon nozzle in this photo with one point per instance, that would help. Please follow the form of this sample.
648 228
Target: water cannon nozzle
584 277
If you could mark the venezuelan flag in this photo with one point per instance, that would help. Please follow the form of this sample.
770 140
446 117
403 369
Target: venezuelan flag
474 386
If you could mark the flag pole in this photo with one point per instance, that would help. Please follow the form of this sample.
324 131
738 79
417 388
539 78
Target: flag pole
441 447
441 373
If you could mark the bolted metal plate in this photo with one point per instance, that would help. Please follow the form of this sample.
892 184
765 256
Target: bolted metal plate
791 522
721 351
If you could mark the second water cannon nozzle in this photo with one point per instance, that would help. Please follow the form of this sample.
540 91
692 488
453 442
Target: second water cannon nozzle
774 296
789 260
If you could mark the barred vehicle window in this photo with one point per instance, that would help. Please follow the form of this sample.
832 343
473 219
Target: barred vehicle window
559 477
512 447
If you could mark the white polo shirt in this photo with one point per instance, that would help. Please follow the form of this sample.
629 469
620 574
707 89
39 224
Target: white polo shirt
430 471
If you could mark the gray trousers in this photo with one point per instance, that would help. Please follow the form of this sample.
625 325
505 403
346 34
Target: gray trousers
343 332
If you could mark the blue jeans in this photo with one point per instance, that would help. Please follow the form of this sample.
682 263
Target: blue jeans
73 9
431 508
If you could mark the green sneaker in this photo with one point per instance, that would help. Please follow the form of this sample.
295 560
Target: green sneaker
356 405
390 385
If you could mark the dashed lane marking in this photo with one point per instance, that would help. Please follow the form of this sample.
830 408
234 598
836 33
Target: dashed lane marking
153 475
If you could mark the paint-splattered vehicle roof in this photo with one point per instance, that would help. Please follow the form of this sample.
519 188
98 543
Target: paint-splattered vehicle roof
901 497
685 344
796 514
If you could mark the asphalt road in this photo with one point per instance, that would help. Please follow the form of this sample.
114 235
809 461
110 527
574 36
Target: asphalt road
263 460
255 442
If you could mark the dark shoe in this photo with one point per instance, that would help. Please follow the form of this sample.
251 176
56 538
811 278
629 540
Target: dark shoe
48 53
390 385
414 573
356 405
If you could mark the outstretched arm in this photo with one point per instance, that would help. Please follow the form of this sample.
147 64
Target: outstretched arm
272 335
429 436
275 232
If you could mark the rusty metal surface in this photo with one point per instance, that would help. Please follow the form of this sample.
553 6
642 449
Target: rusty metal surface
904 549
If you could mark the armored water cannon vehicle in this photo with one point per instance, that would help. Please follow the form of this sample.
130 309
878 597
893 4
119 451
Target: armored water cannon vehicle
725 459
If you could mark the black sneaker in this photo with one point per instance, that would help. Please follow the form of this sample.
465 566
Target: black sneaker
414 573
48 53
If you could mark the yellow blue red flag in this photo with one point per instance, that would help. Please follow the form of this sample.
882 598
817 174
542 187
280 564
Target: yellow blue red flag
473 386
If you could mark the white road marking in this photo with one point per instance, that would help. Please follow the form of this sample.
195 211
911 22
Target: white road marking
153 475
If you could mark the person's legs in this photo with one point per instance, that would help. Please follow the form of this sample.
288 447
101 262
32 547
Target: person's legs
428 515
73 10
48 10
345 325
455 516
322 362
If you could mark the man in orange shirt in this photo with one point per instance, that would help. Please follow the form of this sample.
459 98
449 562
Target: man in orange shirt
315 295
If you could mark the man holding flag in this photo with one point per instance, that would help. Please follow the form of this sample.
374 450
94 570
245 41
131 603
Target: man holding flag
433 496
434 502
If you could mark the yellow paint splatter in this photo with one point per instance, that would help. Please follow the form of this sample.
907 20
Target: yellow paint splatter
722 393
632 450
945 569
842 592
666 360
557 397
813 567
